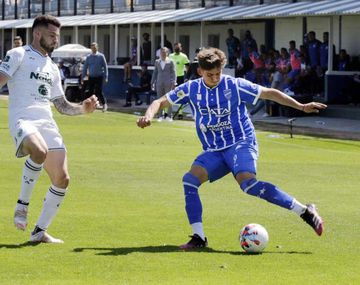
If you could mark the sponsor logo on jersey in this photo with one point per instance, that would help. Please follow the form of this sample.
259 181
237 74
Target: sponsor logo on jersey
227 93
6 58
42 76
226 125
218 112
43 90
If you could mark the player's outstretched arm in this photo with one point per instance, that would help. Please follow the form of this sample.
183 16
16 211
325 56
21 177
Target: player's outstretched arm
67 108
283 99
156 105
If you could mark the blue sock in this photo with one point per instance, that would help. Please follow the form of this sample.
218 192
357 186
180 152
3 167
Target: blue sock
193 205
268 192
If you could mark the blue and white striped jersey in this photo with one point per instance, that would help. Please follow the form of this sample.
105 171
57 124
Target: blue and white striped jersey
220 113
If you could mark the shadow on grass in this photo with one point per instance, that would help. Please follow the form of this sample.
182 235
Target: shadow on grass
171 248
21 245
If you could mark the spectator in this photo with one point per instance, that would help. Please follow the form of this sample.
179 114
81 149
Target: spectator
132 61
240 67
313 48
146 49
233 45
248 41
64 71
181 62
18 41
192 72
295 62
344 61
324 52
258 64
144 85
96 67
164 77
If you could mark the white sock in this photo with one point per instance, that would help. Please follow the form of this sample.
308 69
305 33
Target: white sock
52 201
298 208
30 175
198 229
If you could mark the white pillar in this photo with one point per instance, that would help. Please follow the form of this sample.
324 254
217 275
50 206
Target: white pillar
131 34
202 24
176 37
116 44
331 43
152 39
162 33
94 33
138 48
76 35
28 36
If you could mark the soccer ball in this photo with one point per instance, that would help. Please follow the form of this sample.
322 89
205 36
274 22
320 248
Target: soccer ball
253 238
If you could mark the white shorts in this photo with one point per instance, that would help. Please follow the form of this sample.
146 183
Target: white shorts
48 130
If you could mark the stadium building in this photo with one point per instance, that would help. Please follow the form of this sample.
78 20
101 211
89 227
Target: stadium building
112 23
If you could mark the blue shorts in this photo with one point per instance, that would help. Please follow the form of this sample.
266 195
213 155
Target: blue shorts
241 157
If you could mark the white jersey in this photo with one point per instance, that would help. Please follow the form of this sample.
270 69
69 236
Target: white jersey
34 81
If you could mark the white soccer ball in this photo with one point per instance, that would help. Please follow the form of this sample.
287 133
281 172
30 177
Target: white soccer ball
253 238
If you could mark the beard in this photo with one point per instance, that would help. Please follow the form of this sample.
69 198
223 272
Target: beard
45 46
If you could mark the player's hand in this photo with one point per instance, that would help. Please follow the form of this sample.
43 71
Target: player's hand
90 104
313 107
143 122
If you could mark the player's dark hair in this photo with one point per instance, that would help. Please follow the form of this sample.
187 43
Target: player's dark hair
45 21
210 58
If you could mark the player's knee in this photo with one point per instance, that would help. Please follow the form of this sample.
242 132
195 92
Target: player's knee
191 181
62 180
38 155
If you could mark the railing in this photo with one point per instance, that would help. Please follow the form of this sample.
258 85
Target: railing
20 9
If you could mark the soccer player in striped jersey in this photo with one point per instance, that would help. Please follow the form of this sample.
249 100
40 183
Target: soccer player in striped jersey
34 81
228 138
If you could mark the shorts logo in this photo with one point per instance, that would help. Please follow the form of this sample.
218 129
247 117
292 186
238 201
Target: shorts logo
6 58
227 93
19 133
43 90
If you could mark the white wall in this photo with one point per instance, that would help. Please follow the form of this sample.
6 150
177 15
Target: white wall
350 34
287 29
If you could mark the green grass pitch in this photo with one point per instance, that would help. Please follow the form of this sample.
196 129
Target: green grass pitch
124 216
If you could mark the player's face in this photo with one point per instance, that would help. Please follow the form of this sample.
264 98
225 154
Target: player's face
49 39
211 77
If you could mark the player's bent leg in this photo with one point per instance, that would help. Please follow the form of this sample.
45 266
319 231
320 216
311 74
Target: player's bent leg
271 193
56 167
37 148
192 181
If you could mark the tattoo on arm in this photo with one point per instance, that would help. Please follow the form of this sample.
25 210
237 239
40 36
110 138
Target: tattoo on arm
67 108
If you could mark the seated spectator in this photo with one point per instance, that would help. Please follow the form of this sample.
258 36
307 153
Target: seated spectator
64 71
258 64
144 85
132 61
192 72
295 62
344 61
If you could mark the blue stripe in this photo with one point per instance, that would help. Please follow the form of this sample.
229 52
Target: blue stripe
32 167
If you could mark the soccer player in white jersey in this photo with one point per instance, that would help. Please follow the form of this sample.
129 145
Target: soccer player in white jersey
228 138
34 81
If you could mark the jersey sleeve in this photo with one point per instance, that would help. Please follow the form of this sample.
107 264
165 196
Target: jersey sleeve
57 89
249 92
180 95
11 62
